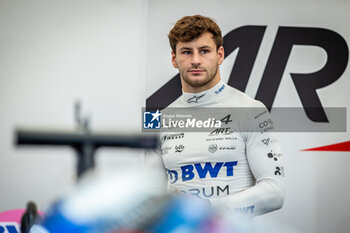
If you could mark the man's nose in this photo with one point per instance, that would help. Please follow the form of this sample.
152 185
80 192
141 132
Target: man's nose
196 59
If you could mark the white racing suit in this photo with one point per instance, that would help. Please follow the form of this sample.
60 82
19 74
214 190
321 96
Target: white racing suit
237 171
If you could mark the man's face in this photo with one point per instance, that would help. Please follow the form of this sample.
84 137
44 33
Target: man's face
198 63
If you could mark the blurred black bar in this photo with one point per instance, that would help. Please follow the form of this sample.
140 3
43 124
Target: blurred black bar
85 144
30 137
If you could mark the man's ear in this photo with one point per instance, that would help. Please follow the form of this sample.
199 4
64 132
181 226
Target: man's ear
221 55
173 59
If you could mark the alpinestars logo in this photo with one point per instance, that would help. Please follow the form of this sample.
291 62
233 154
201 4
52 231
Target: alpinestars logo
194 99
266 141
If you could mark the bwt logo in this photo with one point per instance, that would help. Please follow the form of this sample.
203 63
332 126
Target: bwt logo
198 170
248 40
220 89
9 227
245 210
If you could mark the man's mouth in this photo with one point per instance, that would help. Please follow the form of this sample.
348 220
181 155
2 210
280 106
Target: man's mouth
196 71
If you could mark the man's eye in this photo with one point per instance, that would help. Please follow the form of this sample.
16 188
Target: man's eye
186 52
205 51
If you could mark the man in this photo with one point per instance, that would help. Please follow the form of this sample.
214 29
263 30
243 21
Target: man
238 169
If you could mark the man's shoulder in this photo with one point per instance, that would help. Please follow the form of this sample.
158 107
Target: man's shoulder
237 98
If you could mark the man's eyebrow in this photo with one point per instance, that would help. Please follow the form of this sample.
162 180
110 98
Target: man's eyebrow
205 47
202 47
185 48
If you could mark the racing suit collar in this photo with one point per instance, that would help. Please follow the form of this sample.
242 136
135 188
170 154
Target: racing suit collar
195 98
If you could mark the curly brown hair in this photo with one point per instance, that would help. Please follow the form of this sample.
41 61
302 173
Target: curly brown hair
189 28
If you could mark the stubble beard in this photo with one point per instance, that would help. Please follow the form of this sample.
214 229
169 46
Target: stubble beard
195 83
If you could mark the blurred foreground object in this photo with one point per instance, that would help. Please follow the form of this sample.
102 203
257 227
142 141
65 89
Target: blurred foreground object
30 217
126 202
106 203
84 143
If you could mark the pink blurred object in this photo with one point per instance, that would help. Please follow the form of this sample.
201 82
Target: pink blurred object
14 215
